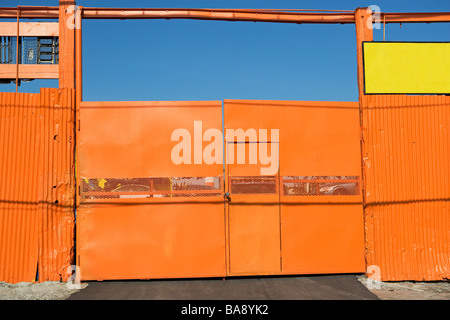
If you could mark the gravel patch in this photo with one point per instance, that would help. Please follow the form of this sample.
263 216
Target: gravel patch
408 290
50 290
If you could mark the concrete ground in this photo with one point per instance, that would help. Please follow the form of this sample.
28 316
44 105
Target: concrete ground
407 290
50 290
323 287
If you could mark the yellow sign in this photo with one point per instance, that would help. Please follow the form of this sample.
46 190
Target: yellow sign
406 67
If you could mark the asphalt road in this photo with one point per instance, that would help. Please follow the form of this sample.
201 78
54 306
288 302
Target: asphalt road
317 287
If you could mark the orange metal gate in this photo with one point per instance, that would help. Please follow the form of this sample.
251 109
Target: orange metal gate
141 215
306 216
156 200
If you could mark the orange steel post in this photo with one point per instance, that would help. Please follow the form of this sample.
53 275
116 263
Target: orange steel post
78 53
78 95
66 44
364 32
17 51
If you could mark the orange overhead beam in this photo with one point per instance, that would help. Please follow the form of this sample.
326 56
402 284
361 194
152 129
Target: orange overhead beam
30 12
413 17
218 14
29 29
263 15
29 71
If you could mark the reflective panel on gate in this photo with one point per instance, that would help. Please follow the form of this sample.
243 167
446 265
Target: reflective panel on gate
150 188
321 186
253 185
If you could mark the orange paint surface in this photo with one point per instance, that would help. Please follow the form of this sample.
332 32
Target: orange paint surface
254 239
314 136
145 241
322 238
133 139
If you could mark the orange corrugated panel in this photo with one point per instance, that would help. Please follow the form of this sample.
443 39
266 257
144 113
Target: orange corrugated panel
407 188
36 146
19 174
57 233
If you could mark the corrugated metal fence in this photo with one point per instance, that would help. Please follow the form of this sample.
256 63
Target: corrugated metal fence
406 163
36 185
407 188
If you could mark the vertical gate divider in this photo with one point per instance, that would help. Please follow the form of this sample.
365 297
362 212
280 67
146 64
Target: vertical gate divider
225 184
280 188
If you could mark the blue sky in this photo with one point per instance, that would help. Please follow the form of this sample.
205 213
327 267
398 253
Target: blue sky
215 60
